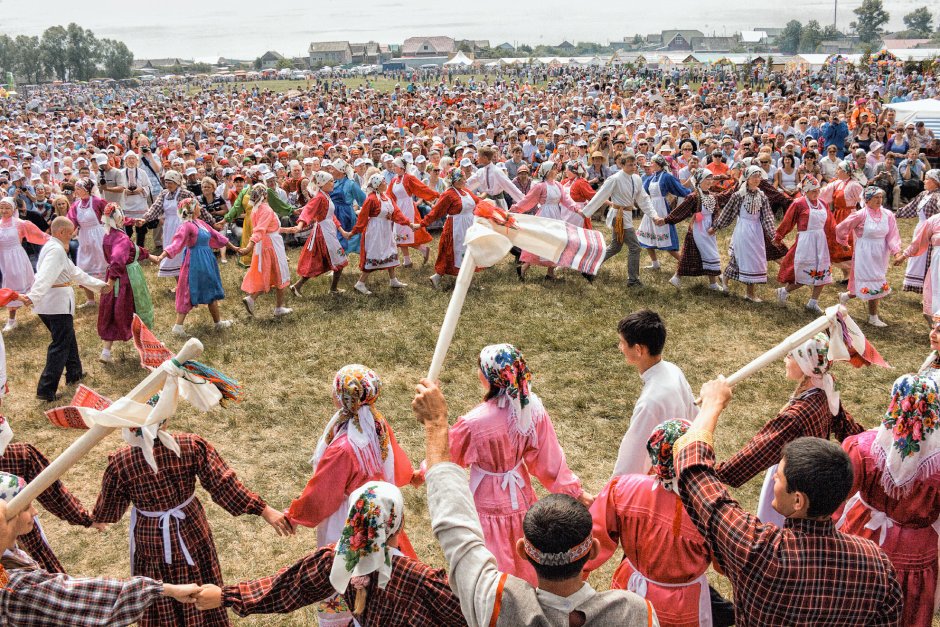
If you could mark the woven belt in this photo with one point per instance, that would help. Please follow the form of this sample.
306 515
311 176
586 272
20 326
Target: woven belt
63 285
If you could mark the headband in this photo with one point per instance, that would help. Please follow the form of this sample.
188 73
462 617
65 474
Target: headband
564 558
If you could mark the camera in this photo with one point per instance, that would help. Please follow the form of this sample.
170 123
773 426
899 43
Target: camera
132 188
145 149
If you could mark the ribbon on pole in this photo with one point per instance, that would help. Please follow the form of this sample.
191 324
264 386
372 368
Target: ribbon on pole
95 434
493 233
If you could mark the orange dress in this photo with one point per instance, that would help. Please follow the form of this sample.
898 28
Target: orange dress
269 259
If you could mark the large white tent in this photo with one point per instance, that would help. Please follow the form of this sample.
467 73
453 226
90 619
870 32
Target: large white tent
926 111
460 59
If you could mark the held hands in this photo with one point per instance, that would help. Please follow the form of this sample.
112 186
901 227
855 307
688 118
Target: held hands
277 520
23 298
711 230
415 226
345 234
586 498
99 527
184 593
899 258
155 259
659 221
209 597
107 288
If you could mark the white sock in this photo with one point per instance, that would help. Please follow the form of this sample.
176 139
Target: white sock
812 302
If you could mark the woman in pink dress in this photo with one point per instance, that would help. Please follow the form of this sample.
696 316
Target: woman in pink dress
553 202
357 445
876 236
896 490
14 263
502 440
665 558
927 237
268 257
85 213
322 252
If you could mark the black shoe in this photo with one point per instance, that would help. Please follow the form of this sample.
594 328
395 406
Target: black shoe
519 273
48 399
844 282
634 284
75 381
588 277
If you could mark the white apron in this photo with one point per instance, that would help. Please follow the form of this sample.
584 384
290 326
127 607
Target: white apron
650 235
90 240
551 208
280 253
811 260
510 481
917 266
381 251
707 244
171 223
639 584
403 234
870 260
327 228
460 223
934 279
748 247
14 262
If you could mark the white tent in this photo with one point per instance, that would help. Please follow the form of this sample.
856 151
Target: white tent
460 59
926 111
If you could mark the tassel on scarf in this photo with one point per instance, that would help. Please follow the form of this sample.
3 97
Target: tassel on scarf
229 387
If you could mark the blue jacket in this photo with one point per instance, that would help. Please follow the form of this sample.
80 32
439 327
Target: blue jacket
835 135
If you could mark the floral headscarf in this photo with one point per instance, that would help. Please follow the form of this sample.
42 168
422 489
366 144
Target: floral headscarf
701 176
871 191
10 486
356 389
186 209
545 168
659 446
809 183
258 194
455 175
375 514
907 445
505 368
112 217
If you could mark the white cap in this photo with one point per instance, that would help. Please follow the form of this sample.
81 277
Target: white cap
101 158
191 171
465 162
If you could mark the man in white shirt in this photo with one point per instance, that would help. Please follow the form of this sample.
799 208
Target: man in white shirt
53 299
558 542
625 192
666 395
492 181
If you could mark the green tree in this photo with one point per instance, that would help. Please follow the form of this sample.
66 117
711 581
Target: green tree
53 50
284 64
257 63
83 52
810 37
7 54
831 32
118 60
789 38
871 18
920 21
28 63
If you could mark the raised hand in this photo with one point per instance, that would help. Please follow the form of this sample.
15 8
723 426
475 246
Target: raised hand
586 498
99 527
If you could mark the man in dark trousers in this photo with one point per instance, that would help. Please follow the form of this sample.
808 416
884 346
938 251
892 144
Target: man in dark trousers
53 299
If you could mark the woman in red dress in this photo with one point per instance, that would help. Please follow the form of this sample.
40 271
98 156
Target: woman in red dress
322 251
457 204
377 219
403 188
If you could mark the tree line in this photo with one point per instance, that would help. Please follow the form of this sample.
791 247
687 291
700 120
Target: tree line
871 18
68 53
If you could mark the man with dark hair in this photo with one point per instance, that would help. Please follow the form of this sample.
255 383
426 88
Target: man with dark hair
557 542
666 395
806 573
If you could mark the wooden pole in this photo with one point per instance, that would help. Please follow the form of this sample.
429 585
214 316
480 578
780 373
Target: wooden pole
467 268
88 440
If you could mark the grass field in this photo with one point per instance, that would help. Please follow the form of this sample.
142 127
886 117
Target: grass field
567 332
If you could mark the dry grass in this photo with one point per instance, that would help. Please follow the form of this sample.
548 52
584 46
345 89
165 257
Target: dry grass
567 332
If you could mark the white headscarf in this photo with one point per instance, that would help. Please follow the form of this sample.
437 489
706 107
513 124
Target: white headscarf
375 514
813 359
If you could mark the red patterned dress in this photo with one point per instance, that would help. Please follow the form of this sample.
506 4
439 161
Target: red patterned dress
129 480
25 461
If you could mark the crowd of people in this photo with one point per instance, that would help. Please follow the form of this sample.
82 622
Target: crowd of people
96 187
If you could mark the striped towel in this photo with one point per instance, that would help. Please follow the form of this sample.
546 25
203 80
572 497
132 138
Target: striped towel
558 241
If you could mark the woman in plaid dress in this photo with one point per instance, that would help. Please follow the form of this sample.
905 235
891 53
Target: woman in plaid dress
167 498
699 254
382 585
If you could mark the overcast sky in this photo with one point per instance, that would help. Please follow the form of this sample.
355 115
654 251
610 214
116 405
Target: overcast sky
246 29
